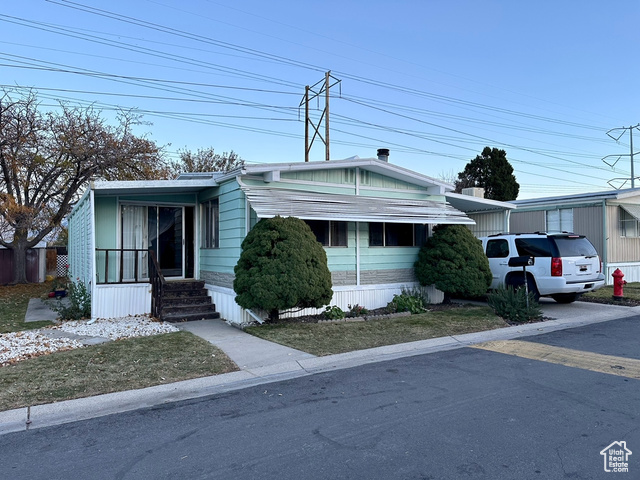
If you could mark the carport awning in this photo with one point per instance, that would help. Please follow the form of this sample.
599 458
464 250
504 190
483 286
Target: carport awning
269 202
633 210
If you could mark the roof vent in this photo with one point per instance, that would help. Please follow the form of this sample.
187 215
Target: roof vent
383 154
474 192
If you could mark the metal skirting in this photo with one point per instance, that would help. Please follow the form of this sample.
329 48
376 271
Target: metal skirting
112 301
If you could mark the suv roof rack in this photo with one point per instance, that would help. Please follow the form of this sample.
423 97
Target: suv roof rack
517 233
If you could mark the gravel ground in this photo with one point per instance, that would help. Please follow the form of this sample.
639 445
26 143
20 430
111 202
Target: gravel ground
18 346
116 328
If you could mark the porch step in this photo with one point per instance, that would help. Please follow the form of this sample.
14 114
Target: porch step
187 300
184 287
172 301
189 316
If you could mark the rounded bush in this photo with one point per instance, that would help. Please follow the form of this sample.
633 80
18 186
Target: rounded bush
282 266
453 260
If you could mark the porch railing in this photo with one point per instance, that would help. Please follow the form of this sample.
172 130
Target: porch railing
157 286
122 265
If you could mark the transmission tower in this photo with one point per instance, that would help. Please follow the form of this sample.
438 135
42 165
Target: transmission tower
622 131
311 92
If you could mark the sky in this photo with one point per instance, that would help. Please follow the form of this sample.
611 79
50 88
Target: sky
434 81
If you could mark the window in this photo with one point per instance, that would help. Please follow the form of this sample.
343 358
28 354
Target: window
560 220
329 233
536 247
210 224
498 248
628 224
397 234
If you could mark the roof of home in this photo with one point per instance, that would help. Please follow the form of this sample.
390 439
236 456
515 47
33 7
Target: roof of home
372 164
471 204
591 197
269 202
193 182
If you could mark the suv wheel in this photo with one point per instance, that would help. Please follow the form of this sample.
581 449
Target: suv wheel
565 297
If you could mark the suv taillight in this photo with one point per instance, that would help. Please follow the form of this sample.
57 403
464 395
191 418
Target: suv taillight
556 267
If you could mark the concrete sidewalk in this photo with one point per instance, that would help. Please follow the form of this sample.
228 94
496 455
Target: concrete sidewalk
251 354
264 362
40 310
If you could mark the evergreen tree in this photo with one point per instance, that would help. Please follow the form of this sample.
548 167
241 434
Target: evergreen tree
491 171
453 261
282 266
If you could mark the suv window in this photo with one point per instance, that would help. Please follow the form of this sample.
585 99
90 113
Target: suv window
536 247
498 248
575 247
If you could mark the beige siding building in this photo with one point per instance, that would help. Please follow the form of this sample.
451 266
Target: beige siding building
611 220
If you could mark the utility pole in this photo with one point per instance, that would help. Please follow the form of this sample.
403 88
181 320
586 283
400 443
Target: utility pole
316 91
622 131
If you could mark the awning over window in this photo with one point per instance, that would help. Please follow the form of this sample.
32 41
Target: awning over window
633 210
270 202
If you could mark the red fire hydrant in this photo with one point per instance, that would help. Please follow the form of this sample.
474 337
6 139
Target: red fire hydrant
618 284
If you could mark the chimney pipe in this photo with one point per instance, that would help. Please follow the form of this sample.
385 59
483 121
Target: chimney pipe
383 154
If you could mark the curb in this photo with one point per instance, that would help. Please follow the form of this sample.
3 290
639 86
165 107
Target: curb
40 416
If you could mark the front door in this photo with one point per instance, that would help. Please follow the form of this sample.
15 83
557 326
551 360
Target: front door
168 231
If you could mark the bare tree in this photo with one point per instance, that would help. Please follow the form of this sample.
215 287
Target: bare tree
449 176
205 160
47 158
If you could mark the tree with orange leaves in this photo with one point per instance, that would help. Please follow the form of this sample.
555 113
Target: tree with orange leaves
47 158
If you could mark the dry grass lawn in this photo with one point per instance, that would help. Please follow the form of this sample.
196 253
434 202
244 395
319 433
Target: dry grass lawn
14 300
330 338
111 367
605 295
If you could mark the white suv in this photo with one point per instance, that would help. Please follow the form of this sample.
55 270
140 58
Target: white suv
565 265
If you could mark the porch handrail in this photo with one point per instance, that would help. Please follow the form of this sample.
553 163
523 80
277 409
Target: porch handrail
157 285
120 264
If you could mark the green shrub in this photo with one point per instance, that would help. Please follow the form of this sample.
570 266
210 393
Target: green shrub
333 313
79 302
511 304
414 301
453 261
282 266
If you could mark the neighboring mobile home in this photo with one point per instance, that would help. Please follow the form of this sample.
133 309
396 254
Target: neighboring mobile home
608 219
371 216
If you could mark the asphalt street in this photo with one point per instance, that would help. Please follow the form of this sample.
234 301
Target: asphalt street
466 413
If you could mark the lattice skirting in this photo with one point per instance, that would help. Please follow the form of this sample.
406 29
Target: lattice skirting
61 265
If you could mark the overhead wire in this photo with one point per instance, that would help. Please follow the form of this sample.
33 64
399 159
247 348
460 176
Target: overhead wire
412 91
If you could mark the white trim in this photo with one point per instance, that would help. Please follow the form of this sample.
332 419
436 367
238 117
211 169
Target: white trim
94 267
357 253
197 213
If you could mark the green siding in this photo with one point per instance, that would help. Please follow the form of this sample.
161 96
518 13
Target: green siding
305 187
384 258
367 192
80 239
380 181
343 259
232 230
339 176
346 176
